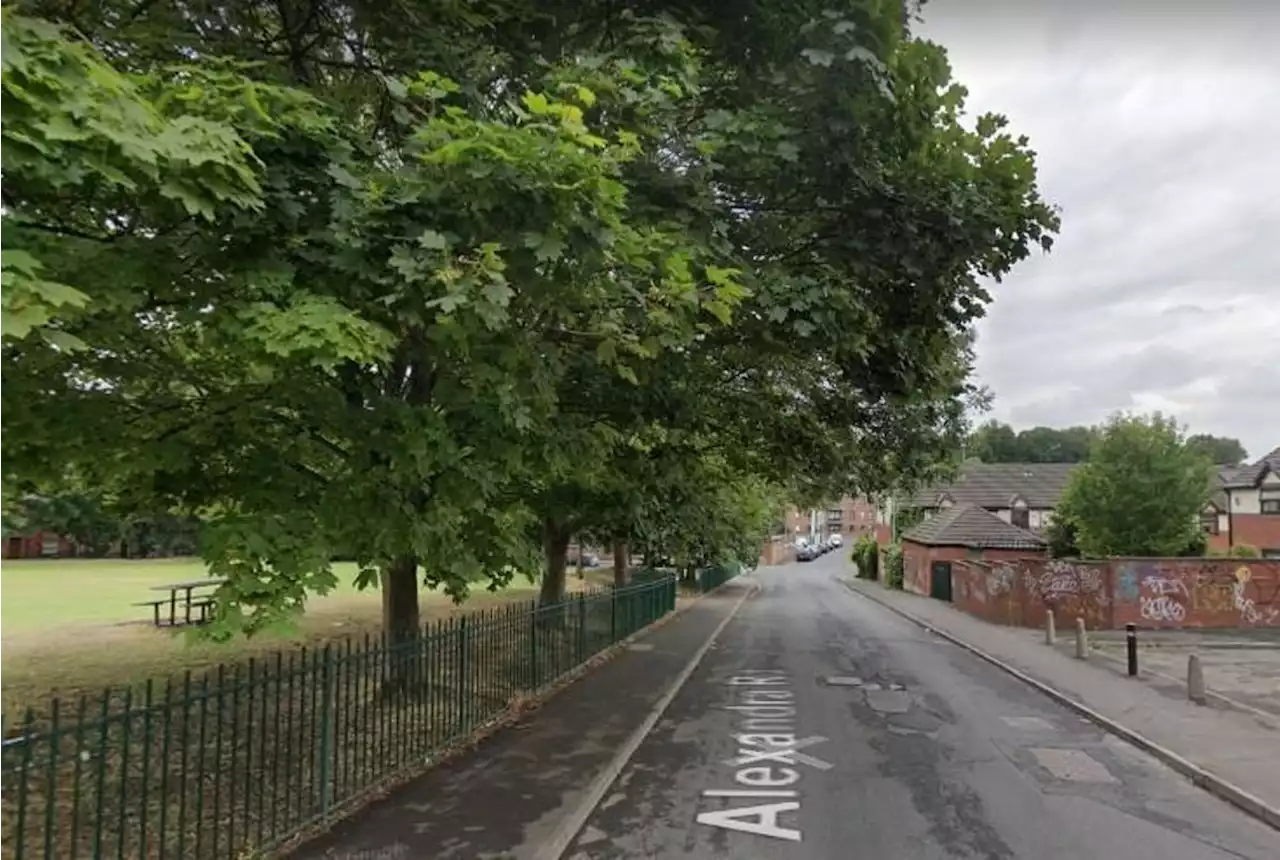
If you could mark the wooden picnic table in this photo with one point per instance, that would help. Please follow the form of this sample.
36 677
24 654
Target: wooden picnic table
195 607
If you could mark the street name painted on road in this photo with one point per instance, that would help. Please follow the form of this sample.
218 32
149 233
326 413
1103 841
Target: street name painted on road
768 758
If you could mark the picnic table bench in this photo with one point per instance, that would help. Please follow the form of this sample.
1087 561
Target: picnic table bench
184 605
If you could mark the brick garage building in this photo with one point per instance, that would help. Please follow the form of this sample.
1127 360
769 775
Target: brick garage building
963 532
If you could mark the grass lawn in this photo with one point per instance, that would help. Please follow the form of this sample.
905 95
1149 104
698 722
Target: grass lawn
67 625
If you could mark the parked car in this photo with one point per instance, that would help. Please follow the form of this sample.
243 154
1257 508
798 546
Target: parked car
806 552
836 541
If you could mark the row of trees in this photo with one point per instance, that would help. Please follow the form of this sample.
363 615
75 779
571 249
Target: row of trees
440 286
997 442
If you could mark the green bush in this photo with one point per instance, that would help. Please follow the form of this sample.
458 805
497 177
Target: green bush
893 570
1244 550
866 555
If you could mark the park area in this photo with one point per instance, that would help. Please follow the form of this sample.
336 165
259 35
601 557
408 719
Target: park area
124 739
71 626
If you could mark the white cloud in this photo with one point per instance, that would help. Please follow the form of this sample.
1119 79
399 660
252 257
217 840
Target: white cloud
1157 133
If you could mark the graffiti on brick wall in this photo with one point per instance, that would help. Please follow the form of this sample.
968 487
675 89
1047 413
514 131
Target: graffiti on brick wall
1002 580
1199 592
1071 588
1061 579
1163 599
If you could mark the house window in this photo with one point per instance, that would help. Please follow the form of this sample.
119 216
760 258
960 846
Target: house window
1209 522
1270 502
1021 517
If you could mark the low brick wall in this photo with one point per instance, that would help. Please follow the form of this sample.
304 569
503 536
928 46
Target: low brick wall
777 550
1149 592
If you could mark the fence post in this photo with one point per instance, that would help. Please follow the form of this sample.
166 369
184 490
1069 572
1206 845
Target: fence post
533 648
325 765
613 616
463 670
582 627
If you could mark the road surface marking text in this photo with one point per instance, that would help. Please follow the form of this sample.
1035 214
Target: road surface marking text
768 758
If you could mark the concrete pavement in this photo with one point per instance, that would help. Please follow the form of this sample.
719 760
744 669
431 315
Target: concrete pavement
820 725
512 795
1239 747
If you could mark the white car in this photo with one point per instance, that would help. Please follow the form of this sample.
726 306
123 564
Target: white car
835 541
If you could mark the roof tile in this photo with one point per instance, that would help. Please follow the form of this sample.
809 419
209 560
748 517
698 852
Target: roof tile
971 526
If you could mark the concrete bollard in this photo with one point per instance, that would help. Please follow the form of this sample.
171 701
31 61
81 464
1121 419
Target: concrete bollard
1082 641
1050 636
1195 680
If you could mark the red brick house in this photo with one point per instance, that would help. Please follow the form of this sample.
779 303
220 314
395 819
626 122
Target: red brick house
851 517
964 532
1252 504
38 545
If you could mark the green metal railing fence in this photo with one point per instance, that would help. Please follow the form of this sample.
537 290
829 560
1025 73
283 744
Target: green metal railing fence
716 576
243 758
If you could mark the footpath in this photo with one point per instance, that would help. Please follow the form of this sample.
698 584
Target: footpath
1234 753
505 800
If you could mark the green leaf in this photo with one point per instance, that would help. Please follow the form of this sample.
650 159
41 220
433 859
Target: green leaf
432 241
818 56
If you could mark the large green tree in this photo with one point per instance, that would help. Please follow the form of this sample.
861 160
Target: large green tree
997 442
484 276
1140 493
1221 450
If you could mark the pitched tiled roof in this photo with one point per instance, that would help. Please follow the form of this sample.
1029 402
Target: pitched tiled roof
971 526
1248 476
994 485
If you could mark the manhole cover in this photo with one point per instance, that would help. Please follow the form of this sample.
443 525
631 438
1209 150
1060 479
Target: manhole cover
843 681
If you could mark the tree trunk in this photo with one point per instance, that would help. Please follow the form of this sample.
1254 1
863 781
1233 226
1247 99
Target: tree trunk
582 573
555 543
621 562
400 619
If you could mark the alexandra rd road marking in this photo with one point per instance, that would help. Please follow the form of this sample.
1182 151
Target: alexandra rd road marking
768 759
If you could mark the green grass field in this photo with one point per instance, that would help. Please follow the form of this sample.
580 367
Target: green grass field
68 625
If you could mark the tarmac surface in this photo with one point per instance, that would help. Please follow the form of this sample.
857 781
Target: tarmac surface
818 725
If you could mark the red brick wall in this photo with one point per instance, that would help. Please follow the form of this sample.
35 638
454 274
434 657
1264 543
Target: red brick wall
917 562
777 550
1155 592
1259 530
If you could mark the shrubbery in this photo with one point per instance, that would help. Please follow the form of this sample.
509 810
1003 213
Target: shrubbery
893 569
866 555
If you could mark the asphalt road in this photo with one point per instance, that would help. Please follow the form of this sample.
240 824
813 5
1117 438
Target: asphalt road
821 725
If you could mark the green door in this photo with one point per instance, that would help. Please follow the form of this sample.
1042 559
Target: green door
940 581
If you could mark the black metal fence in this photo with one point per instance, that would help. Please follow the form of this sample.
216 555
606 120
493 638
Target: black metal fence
243 758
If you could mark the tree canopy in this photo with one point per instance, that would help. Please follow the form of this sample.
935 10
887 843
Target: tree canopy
438 286
1140 493
997 442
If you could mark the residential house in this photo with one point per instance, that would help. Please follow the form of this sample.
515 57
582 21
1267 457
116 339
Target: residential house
961 532
1251 504
851 517
1020 494
38 545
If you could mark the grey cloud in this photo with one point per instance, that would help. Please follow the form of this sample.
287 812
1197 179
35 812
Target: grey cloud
1155 128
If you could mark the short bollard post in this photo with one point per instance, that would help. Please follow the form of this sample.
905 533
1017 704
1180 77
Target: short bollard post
1050 636
1131 648
1082 640
1195 680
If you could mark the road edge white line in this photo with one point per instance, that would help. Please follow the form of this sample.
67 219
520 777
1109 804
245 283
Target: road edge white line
1215 785
562 837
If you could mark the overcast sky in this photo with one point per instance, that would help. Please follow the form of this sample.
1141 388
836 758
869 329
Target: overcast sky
1158 133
